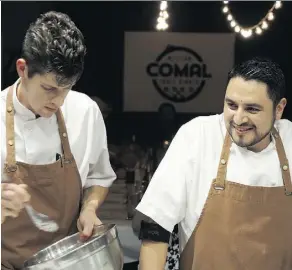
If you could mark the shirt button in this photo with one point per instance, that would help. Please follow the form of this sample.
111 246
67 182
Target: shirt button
223 161
9 109
64 135
10 142
285 168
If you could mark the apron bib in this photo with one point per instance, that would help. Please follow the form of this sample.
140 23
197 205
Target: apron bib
55 191
243 227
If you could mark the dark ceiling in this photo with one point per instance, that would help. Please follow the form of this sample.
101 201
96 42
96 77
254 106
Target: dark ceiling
104 24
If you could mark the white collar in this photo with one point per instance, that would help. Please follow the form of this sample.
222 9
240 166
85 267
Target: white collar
20 109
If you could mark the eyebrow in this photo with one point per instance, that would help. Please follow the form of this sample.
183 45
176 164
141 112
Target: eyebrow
246 104
54 87
48 86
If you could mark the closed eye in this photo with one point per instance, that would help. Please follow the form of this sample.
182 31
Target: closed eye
48 88
252 109
232 106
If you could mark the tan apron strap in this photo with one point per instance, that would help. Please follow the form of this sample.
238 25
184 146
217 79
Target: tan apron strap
283 162
222 168
68 157
10 164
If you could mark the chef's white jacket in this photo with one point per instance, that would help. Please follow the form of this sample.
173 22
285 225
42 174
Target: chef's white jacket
180 185
37 141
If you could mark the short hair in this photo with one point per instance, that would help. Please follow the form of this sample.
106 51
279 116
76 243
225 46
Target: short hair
265 71
54 44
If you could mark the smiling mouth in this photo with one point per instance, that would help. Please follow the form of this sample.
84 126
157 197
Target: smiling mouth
242 130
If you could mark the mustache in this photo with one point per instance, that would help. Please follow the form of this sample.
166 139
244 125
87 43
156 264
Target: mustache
242 125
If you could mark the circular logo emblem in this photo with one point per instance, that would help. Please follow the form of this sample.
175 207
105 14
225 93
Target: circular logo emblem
178 74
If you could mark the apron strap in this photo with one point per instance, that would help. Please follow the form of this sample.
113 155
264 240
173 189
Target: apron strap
219 182
283 162
222 168
10 164
68 157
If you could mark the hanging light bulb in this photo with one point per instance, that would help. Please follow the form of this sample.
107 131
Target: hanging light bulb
246 33
160 20
237 29
265 25
258 30
229 17
233 24
278 4
271 16
163 5
225 9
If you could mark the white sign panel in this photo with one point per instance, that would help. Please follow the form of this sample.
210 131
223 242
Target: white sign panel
188 70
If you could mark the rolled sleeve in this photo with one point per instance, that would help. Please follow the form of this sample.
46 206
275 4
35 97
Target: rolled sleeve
165 198
100 170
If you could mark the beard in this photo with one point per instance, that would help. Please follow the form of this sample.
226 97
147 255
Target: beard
252 137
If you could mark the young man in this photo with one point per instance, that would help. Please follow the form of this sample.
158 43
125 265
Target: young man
225 180
54 144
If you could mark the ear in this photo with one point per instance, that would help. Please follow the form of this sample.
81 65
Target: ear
21 68
280 108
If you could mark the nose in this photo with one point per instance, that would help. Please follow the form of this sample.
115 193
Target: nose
240 117
58 100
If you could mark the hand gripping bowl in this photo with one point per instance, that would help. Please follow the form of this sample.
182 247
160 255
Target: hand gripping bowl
101 252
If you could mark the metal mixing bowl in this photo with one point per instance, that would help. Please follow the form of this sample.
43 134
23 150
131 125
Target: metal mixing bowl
102 251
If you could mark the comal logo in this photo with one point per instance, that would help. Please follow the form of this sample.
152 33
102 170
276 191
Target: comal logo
178 74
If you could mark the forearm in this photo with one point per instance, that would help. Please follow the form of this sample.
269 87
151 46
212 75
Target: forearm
153 255
94 197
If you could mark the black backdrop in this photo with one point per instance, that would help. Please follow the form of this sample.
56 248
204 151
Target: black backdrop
104 24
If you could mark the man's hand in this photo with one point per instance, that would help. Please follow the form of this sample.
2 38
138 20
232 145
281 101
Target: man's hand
86 222
13 198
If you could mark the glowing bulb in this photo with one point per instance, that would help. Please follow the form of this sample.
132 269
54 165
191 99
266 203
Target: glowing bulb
163 5
158 26
246 33
265 25
165 14
225 9
160 20
271 16
233 24
164 26
229 17
278 4
258 30
225 2
237 29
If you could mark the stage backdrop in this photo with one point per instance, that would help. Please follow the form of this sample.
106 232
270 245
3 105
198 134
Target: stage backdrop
188 70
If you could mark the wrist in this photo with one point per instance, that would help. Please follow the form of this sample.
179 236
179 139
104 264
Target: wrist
90 206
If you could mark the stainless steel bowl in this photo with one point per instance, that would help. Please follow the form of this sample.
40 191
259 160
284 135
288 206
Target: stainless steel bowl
102 251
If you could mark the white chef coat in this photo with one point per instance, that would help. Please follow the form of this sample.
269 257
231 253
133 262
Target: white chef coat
37 141
180 186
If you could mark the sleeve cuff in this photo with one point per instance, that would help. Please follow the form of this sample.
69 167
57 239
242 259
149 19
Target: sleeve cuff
153 232
99 182
157 215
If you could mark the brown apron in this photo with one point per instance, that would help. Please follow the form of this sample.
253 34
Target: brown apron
243 227
55 191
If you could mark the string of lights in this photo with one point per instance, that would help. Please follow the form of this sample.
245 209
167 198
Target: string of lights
258 28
